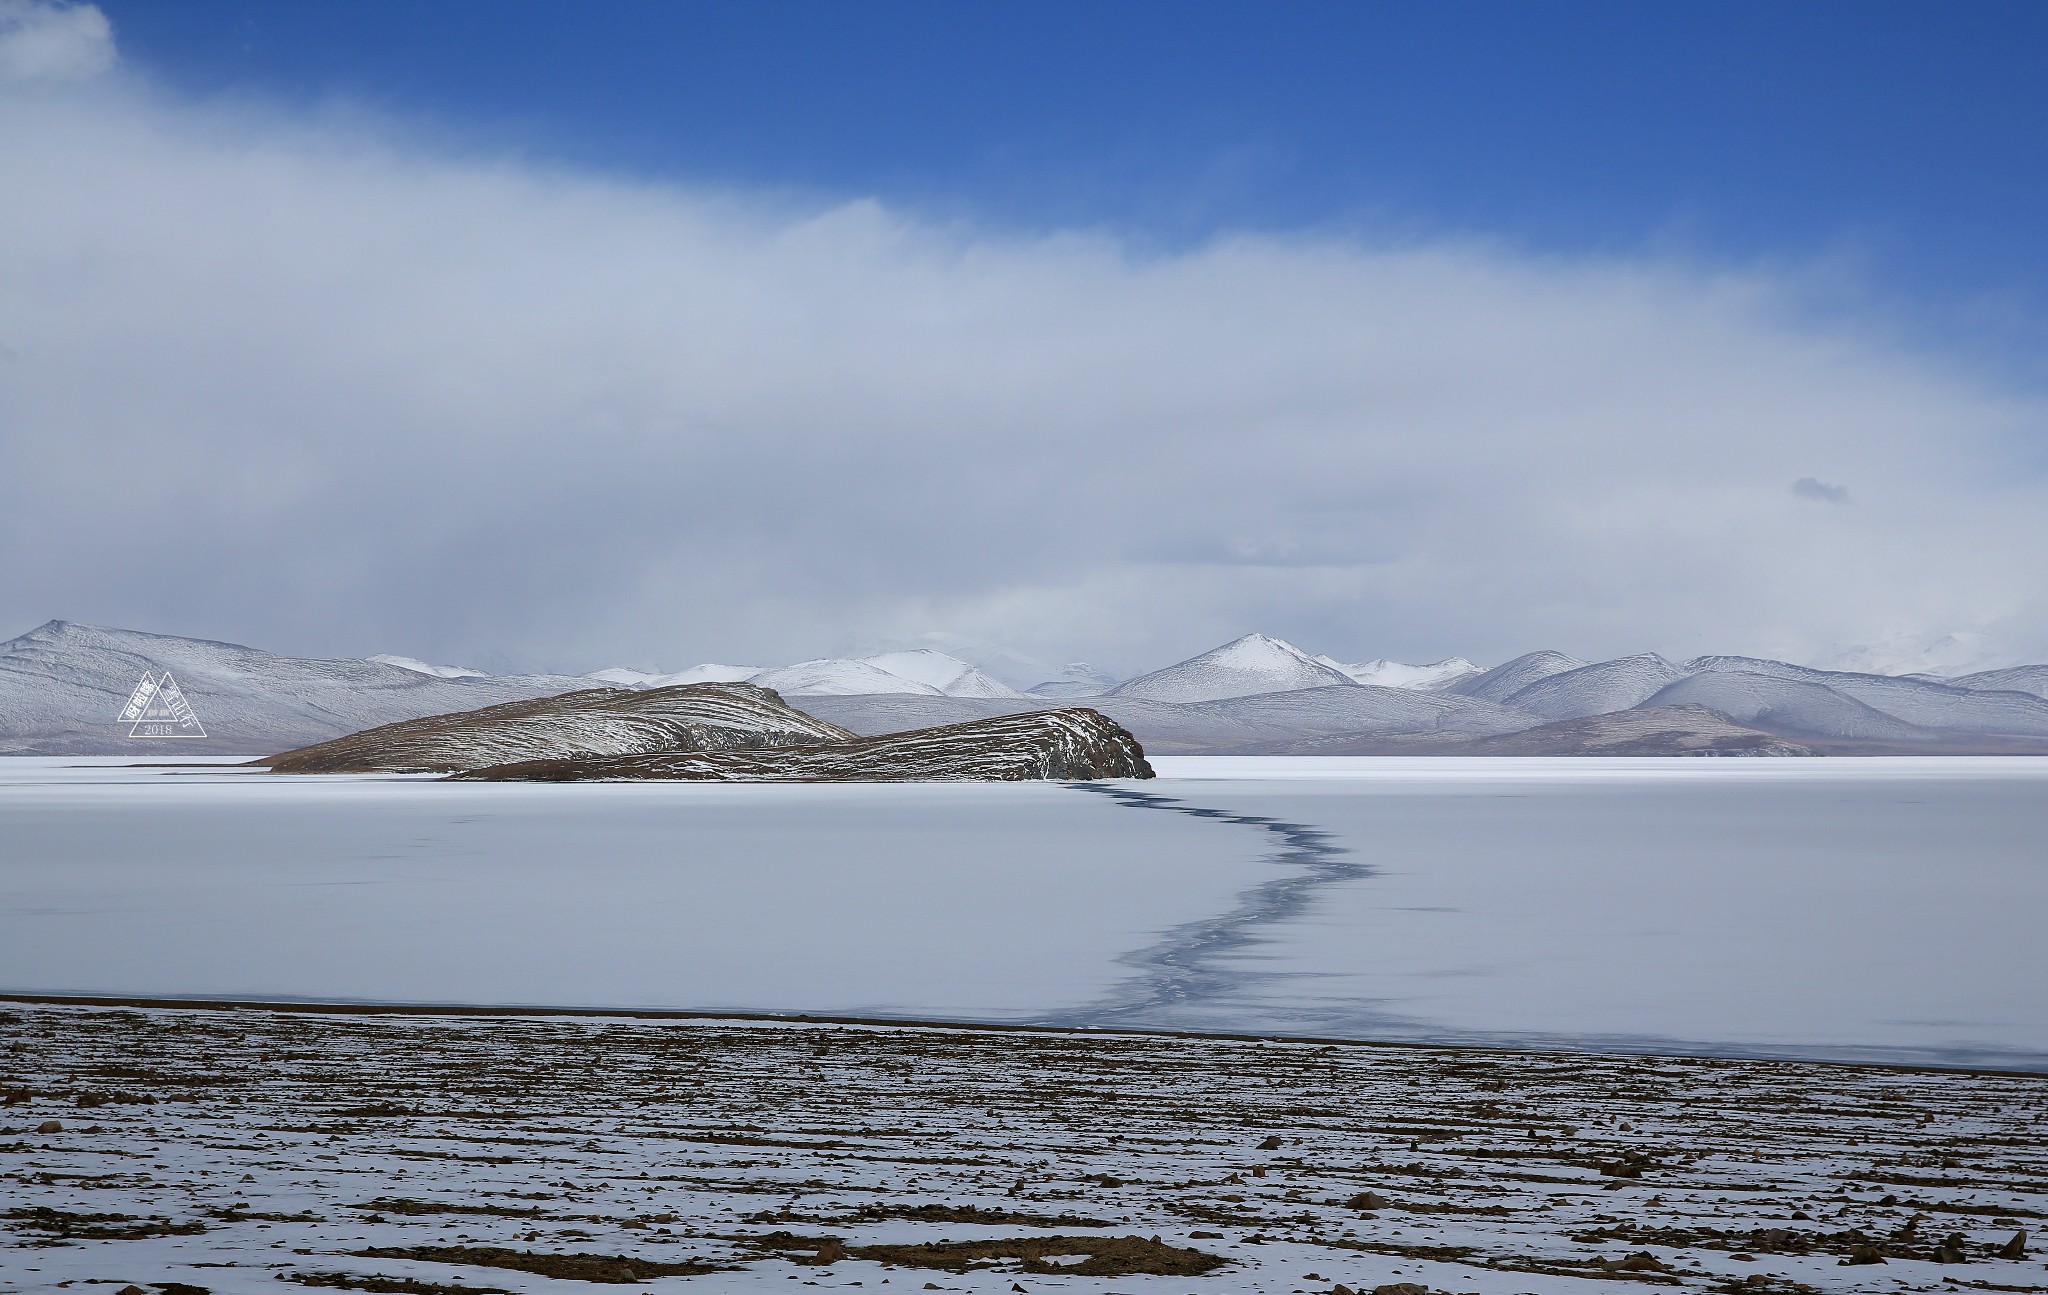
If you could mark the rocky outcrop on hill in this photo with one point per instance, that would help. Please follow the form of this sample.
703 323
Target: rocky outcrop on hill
1053 744
594 722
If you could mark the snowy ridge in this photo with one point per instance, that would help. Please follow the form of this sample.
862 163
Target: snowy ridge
1077 679
1243 667
1062 744
706 673
1510 677
949 675
833 676
62 685
1394 674
577 725
418 666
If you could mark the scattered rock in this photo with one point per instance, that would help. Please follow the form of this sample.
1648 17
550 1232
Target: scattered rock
1863 1255
2015 1248
1642 1261
50 1126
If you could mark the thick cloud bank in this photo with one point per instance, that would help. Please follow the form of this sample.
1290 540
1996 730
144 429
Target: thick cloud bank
310 381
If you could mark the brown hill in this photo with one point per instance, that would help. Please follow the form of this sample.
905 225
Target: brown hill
575 725
1053 744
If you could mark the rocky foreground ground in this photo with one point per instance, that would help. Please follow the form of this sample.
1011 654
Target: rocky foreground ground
180 1150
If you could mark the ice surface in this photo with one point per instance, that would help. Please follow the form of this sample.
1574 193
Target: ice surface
983 902
1863 909
1875 908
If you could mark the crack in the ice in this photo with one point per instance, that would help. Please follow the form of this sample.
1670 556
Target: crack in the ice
1182 967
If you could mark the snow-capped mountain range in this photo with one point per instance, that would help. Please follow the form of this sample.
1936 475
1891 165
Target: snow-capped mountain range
62 685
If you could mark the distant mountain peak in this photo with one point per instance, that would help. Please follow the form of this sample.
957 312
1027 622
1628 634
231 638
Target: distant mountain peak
1383 673
418 666
1243 667
946 673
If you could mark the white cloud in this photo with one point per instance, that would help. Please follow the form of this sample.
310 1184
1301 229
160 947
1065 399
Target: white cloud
53 42
321 387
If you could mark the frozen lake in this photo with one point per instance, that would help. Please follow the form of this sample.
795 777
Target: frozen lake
1861 909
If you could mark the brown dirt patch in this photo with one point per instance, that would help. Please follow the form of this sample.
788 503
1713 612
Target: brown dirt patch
615 1269
969 1214
63 1225
404 1206
1107 1256
379 1284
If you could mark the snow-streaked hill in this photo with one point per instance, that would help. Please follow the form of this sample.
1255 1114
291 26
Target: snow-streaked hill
1597 689
1922 702
2019 678
1243 667
1361 708
62 685
1510 677
1783 705
1395 674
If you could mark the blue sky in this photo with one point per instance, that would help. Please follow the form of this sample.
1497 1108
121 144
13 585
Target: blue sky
1910 137
570 336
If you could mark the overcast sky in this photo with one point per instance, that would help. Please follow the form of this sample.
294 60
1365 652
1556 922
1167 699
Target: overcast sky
344 372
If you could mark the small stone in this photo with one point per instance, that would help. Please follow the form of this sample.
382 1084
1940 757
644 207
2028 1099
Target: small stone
50 1126
2015 1248
1863 1255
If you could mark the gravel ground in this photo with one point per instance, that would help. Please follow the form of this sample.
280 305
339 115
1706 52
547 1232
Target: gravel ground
175 1149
